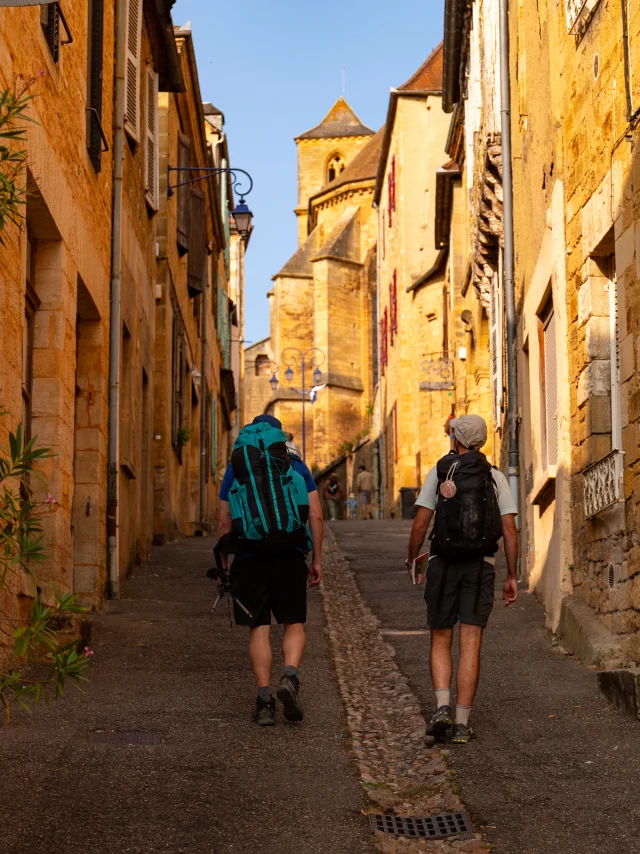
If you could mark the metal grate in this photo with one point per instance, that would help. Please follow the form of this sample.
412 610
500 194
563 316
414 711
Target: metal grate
120 738
428 827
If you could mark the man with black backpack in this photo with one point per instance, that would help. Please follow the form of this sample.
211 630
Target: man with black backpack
474 508
270 518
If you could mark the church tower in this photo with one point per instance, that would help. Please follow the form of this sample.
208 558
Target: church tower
323 154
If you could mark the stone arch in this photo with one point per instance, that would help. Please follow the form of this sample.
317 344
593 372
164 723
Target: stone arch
335 166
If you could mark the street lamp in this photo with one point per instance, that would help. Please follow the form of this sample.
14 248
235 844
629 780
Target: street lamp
273 382
242 217
241 214
313 357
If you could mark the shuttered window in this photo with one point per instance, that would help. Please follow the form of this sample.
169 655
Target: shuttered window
50 21
132 74
550 392
497 347
183 194
151 164
94 81
197 242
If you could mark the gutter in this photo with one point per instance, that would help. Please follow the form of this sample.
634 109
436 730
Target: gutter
508 255
435 268
113 580
453 20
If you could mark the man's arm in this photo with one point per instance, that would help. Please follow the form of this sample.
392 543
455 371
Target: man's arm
418 533
316 523
224 526
510 536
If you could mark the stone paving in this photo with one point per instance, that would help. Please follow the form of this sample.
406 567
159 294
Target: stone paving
401 774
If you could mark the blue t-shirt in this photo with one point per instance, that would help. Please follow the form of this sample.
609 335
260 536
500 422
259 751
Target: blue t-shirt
298 465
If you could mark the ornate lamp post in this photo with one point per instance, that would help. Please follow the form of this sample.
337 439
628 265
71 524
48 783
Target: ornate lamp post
241 213
292 357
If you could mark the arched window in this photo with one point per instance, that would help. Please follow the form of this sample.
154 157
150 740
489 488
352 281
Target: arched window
262 365
335 167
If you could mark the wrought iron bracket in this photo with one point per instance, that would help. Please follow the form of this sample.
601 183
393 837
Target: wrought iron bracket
209 172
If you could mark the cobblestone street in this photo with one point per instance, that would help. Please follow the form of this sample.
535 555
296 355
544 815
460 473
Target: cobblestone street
554 767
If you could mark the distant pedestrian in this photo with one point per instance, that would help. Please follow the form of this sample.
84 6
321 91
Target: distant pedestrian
333 495
474 508
352 506
267 499
364 485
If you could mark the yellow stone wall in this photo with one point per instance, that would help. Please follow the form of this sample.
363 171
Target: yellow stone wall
68 215
313 161
413 419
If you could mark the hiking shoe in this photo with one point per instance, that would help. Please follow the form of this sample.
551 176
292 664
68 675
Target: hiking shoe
440 723
287 693
461 734
265 713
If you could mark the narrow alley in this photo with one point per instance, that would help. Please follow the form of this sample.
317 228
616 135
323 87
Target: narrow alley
553 767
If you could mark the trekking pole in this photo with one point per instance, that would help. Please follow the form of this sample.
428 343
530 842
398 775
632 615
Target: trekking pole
219 574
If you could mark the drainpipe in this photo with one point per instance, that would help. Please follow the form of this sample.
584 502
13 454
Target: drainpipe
204 404
381 402
113 584
507 221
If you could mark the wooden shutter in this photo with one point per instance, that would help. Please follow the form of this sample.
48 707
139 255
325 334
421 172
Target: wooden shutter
197 242
50 21
94 87
497 345
551 388
132 74
184 194
151 149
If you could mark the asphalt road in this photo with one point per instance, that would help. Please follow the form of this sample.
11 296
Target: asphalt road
216 782
554 767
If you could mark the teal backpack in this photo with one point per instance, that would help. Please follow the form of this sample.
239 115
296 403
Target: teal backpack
269 501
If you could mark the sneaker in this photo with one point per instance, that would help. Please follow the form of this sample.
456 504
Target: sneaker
265 713
440 723
461 734
287 693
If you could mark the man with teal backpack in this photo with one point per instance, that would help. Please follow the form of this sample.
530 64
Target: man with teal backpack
270 519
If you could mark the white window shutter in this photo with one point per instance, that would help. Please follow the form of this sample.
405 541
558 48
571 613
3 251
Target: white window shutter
152 139
497 348
551 389
132 75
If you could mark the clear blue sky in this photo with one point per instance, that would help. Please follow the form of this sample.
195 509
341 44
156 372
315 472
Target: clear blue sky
274 68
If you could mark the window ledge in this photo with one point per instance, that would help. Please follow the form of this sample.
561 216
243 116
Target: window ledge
544 481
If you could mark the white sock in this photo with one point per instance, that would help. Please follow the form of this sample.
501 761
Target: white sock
443 696
462 715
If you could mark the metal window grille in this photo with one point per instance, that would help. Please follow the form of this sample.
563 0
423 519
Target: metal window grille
51 19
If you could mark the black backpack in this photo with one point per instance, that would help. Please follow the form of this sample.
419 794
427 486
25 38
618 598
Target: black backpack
468 522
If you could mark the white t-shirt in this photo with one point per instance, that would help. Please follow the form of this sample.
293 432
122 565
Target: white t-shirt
429 495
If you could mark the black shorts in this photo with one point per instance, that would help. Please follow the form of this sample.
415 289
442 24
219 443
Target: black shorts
270 584
461 590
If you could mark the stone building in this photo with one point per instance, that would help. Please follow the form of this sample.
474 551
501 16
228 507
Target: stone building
324 296
54 280
84 279
192 273
417 384
575 230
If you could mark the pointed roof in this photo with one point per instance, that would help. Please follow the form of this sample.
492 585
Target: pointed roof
428 78
341 241
340 121
299 265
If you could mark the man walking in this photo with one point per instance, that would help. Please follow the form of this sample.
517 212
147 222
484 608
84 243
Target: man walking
266 578
333 495
364 485
474 507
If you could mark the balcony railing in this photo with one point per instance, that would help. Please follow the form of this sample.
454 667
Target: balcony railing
601 484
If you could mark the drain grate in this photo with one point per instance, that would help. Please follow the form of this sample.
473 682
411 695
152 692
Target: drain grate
428 827
118 737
